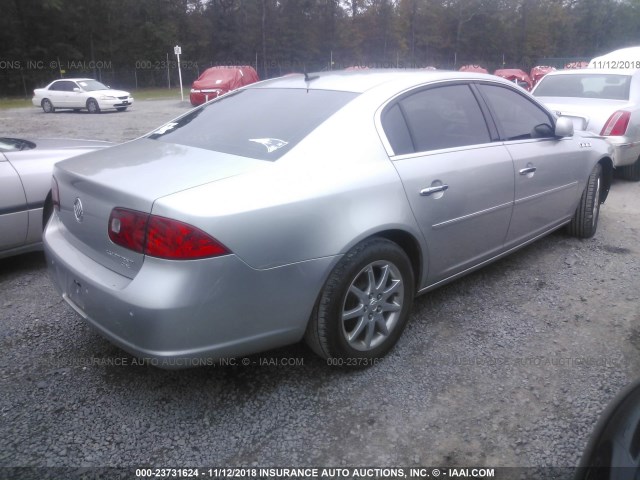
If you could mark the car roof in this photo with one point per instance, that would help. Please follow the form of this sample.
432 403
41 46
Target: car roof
605 71
359 81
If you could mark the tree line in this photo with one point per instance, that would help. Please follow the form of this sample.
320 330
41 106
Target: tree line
131 41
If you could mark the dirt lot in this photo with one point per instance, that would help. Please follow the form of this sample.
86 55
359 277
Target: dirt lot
510 366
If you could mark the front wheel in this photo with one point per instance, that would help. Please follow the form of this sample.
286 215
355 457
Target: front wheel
585 220
47 106
364 304
93 106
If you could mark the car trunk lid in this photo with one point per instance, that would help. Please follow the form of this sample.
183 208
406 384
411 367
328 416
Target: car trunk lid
587 113
131 176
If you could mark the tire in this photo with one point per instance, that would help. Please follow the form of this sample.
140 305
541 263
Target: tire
364 304
585 221
121 109
631 172
47 106
47 211
92 106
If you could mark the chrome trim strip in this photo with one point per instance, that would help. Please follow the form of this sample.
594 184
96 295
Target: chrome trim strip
538 195
471 215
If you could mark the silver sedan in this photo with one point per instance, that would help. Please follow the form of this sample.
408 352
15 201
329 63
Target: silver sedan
25 185
605 102
312 206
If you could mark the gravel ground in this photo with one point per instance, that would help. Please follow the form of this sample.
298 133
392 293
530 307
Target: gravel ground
509 366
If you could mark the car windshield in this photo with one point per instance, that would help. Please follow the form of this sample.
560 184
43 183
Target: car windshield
261 123
91 85
591 85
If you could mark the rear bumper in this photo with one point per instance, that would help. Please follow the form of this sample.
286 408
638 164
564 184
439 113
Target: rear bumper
183 313
625 151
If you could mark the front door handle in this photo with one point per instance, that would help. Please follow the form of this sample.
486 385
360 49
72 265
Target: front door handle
425 192
527 171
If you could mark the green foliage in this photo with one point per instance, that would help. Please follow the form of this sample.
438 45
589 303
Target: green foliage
282 36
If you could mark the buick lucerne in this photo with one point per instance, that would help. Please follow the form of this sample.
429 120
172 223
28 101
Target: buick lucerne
313 206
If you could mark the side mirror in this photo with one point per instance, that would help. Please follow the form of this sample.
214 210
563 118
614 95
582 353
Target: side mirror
76 89
564 127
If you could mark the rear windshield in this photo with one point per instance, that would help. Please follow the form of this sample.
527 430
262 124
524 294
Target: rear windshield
258 123
592 85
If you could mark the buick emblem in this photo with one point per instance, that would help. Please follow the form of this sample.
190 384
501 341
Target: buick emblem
77 210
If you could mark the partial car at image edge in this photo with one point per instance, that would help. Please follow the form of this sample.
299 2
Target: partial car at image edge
259 225
25 194
605 102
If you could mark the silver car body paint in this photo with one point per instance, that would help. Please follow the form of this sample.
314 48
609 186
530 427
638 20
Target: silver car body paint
25 180
288 222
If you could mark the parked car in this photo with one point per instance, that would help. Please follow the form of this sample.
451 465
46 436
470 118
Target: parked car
473 69
625 58
605 102
515 75
25 186
259 225
80 93
216 81
538 72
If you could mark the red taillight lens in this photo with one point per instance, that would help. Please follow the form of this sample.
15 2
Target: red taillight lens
127 228
617 124
161 237
55 194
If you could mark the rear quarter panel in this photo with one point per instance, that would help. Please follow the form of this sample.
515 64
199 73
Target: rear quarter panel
328 193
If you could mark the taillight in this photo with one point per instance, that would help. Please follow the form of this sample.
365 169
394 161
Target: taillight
55 194
127 228
617 124
161 237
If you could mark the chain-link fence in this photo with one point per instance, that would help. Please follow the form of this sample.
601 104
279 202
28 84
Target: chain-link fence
19 78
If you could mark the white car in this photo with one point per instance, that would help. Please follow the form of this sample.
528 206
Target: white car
79 93
605 102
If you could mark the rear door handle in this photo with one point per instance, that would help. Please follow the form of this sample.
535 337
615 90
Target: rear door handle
425 192
527 171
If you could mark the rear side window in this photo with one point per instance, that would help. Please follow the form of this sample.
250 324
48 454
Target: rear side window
258 123
435 118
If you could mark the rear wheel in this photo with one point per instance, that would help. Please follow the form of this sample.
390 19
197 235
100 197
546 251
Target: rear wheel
585 220
364 304
93 106
47 106
631 172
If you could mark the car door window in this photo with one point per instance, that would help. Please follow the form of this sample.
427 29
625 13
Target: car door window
435 118
57 86
517 116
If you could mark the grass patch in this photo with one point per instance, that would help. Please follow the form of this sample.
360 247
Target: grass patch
140 94
14 103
